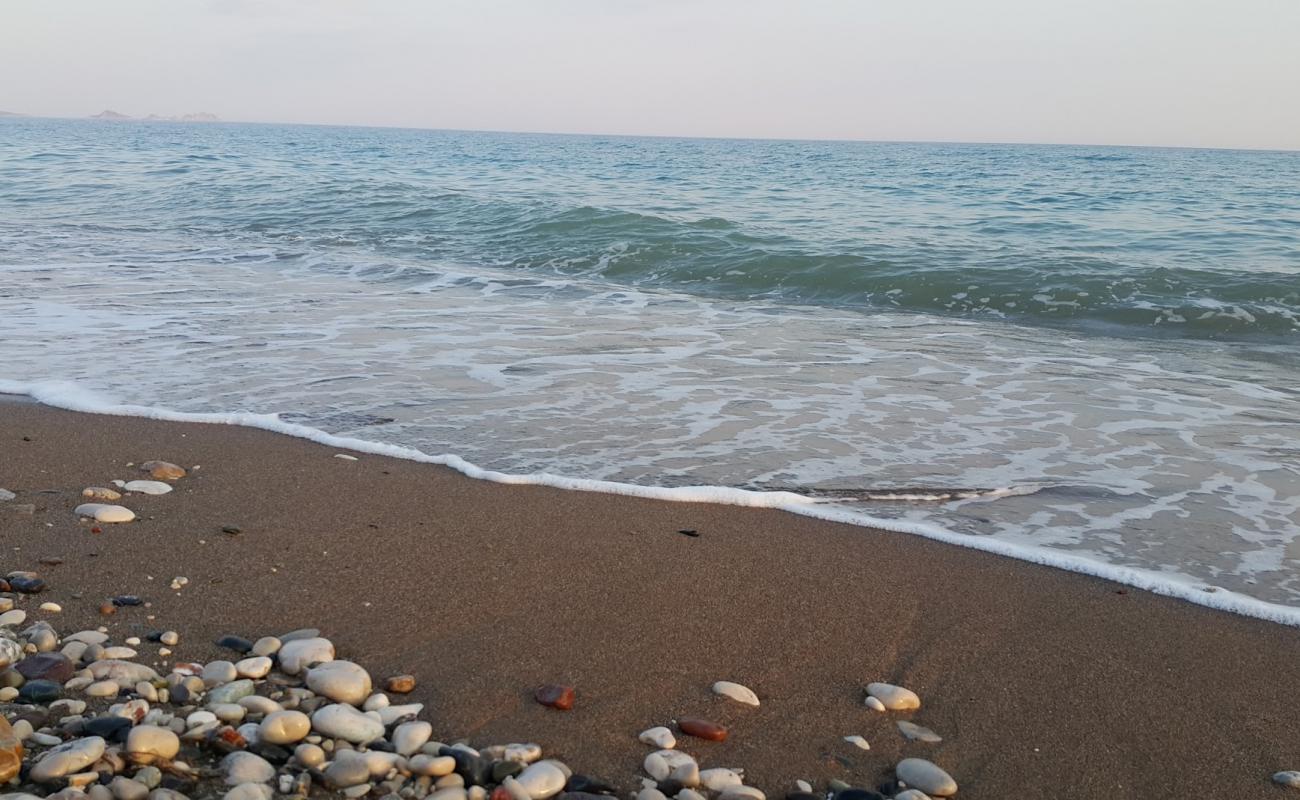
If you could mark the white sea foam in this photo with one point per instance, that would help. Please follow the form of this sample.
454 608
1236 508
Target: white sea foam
61 394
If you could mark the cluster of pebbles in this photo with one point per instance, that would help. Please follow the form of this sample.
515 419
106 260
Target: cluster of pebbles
82 719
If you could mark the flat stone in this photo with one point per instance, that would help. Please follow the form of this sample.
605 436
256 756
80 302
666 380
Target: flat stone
702 729
345 722
285 727
266 646
340 681
112 728
68 758
26 583
104 512
920 774
231 692
556 696
719 778
734 691
125 671
12 619
47 666
909 794
298 654
103 689
163 470
101 494
742 793
858 742
237 643
147 487
255 667
1289 778
894 698
917 733
40 691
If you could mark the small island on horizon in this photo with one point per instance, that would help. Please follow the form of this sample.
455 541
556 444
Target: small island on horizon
201 116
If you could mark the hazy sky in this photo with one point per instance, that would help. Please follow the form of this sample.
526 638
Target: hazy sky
1223 73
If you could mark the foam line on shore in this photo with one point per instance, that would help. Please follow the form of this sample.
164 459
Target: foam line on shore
69 396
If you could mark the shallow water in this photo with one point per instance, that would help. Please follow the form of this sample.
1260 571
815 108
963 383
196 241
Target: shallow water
1093 351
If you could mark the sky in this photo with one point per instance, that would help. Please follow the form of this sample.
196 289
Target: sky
1200 73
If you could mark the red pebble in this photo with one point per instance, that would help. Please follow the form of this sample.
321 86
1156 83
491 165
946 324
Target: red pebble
702 729
556 696
501 793
96 529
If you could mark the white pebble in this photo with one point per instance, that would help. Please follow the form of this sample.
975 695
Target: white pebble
894 698
741 694
659 737
857 741
103 512
55 608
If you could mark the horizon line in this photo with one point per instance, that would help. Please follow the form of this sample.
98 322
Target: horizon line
520 132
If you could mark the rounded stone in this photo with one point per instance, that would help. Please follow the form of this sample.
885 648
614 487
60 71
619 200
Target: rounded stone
100 493
298 654
409 737
216 673
542 780
345 722
309 755
719 778
123 788
340 681
431 765
285 727
148 743
249 791
48 666
147 487
1289 778
555 695
232 692
242 767
68 758
163 470
660 737
266 646
11 752
894 698
40 691
254 667
926 776
400 684
346 772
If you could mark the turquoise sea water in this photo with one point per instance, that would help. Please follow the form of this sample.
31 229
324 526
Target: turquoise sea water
1108 337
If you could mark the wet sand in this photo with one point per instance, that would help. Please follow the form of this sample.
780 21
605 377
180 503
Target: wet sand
1043 683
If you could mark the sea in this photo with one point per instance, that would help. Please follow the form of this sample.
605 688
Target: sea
1087 357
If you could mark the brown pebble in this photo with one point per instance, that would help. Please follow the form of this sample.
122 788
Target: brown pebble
163 470
52 561
107 608
400 684
556 696
702 729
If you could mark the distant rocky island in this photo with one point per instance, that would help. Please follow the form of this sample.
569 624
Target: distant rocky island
201 116
9 114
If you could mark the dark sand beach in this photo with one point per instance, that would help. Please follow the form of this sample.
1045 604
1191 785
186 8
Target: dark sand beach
1042 683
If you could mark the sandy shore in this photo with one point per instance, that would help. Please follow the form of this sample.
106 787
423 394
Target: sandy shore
1042 683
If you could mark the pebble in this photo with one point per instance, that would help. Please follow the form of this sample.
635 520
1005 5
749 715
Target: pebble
147 487
256 704
742 793
874 704
409 737
542 780
803 786
68 758
917 733
249 791
894 698
285 727
734 691
345 722
148 743
340 681
237 643
243 767
231 692
266 646
52 608
100 493
13 618
857 741
656 767
555 695
911 794
170 638
49 666
103 512
309 755
660 737
400 684
297 654
719 778
702 729
431 765
163 470
40 691
123 788
11 752
928 777
1289 778
255 667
